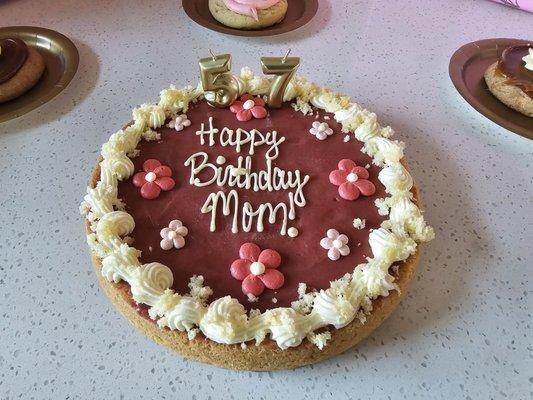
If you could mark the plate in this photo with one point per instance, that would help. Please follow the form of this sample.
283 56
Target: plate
467 67
61 59
299 13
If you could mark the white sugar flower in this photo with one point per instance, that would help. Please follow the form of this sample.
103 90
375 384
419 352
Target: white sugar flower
321 130
179 123
174 235
336 244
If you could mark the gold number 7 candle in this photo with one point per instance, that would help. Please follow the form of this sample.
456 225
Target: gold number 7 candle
284 68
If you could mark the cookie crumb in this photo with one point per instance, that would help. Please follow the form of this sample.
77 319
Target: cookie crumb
387 132
346 138
304 304
134 153
320 340
302 288
361 317
244 346
383 208
359 223
191 333
198 290
326 117
252 298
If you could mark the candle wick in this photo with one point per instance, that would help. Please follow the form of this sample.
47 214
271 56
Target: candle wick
212 55
286 55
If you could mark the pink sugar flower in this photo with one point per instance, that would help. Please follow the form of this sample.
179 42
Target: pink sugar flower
336 244
179 123
249 107
174 235
257 269
156 177
352 180
320 130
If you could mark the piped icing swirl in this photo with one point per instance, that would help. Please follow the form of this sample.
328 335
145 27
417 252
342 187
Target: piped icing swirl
225 319
249 7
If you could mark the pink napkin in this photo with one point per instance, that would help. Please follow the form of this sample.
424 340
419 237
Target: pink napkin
526 5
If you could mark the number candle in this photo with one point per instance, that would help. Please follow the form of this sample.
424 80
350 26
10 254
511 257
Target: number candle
284 68
221 88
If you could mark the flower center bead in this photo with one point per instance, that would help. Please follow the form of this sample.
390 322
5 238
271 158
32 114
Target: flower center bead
172 235
352 177
150 177
257 268
337 243
248 104
322 127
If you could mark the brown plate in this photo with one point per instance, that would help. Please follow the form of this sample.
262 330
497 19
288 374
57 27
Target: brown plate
467 67
61 59
299 13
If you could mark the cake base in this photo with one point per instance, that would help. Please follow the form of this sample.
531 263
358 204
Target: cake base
266 356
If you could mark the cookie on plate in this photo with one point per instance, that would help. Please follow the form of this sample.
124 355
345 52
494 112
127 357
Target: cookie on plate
248 14
510 79
21 67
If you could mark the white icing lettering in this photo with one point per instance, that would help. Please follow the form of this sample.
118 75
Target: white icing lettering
243 176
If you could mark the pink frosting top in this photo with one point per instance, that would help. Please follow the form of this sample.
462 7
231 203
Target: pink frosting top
249 7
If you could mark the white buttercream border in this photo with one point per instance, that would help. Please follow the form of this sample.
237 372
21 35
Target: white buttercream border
225 319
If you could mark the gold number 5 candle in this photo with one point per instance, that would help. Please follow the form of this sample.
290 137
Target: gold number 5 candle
284 68
221 88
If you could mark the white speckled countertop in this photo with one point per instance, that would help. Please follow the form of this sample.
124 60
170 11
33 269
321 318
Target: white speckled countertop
463 331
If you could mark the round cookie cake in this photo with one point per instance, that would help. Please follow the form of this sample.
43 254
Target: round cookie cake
252 237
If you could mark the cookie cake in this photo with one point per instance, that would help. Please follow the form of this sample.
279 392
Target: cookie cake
251 235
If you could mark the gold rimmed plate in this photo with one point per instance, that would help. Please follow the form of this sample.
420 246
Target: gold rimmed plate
61 59
467 69
299 13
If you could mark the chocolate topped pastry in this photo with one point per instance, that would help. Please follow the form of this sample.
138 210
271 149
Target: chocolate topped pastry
21 67
510 79
13 55
516 64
